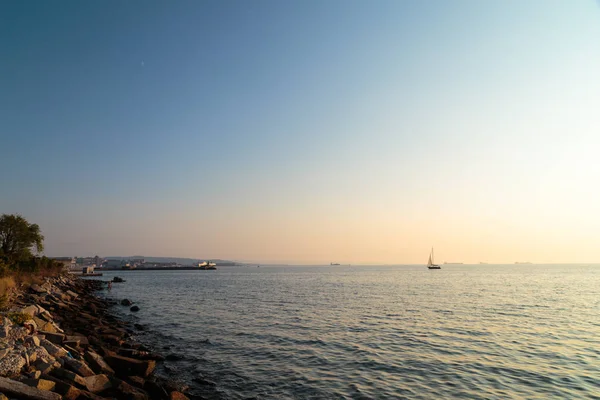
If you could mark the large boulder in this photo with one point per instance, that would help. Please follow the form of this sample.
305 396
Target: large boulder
78 367
125 366
23 391
69 376
32 310
53 349
12 364
97 383
97 363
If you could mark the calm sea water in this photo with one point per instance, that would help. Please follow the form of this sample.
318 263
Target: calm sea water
485 331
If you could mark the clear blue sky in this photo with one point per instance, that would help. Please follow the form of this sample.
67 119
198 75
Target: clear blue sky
304 131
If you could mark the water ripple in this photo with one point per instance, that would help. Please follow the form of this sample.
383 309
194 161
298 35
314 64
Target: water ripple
374 332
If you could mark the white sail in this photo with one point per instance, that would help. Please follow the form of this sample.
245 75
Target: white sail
430 262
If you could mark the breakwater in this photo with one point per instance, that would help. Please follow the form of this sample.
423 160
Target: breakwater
59 340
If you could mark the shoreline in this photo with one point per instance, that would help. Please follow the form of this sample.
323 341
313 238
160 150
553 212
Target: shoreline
60 340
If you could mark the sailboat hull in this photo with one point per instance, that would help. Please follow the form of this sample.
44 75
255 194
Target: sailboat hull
434 267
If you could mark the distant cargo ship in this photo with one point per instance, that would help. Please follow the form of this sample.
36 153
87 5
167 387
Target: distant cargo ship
334 264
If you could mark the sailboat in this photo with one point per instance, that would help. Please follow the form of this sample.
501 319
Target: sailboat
430 263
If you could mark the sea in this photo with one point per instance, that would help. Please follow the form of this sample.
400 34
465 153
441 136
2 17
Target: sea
372 332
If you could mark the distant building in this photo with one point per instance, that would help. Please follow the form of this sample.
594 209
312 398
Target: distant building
113 263
97 261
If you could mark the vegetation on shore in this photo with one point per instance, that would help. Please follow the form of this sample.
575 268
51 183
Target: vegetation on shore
20 263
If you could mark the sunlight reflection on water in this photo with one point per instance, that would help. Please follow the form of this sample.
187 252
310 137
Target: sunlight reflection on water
374 332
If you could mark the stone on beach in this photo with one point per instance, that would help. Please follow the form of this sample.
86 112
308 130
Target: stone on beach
69 376
53 349
12 363
126 366
23 391
126 302
78 367
97 363
41 384
134 308
97 383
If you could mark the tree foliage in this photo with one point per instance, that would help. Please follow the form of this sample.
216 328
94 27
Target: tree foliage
18 237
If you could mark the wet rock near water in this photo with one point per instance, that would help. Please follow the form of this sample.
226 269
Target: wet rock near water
58 340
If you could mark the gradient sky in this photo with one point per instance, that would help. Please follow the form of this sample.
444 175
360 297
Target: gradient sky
304 131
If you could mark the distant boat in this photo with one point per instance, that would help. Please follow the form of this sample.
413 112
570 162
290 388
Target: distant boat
430 263
207 265
334 264
452 263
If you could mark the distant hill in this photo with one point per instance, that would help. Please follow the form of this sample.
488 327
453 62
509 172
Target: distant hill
178 260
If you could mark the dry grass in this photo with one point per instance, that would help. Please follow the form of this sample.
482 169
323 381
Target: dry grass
6 285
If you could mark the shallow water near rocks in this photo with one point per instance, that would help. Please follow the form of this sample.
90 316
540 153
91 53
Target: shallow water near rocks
345 332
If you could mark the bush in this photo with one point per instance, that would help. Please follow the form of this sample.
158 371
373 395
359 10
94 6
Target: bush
18 318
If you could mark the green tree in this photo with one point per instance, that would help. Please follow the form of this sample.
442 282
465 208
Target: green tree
18 237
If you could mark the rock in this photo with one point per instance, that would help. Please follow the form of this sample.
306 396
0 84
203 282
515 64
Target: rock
97 383
125 366
11 364
31 310
97 363
80 338
177 396
137 381
56 338
32 341
68 392
134 308
174 357
36 374
41 384
127 391
23 391
139 327
17 333
4 352
72 294
44 366
38 289
53 349
126 302
5 327
155 390
3 397
78 367
30 325
69 376
39 352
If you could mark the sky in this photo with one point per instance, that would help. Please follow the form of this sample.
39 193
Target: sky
304 131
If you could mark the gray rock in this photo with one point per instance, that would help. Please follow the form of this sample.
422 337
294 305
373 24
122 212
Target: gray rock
53 349
11 364
38 289
23 391
32 341
69 376
97 383
5 327
97 363
31 310
134 308
126 302
78 367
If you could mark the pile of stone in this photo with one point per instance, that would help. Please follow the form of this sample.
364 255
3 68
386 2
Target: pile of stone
59 341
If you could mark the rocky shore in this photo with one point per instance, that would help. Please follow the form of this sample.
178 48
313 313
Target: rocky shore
59 340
